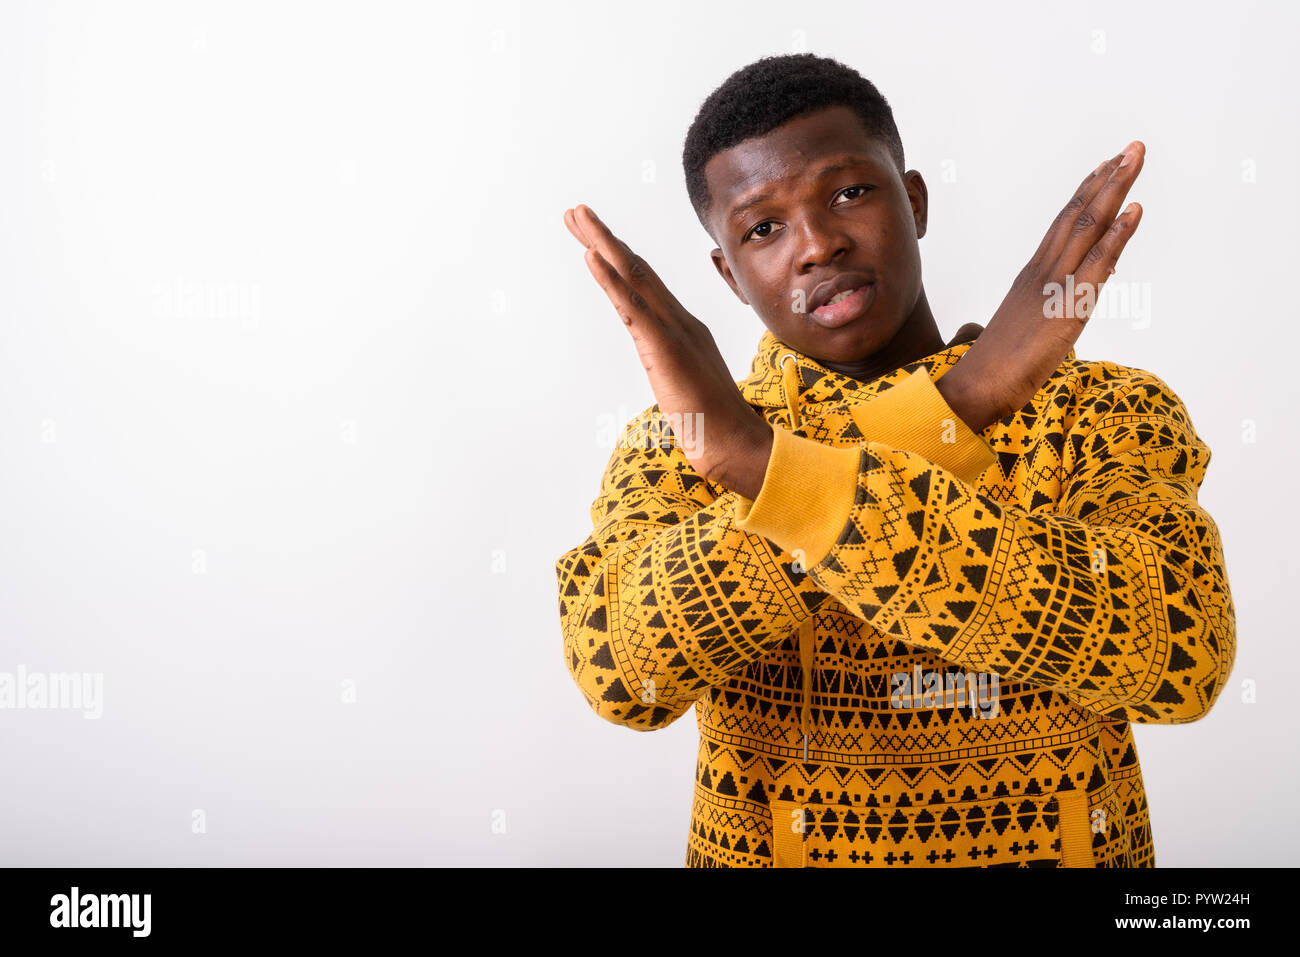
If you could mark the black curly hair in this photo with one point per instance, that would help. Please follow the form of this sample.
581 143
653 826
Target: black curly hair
758 98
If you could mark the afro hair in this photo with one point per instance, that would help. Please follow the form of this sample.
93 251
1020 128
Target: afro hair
758 98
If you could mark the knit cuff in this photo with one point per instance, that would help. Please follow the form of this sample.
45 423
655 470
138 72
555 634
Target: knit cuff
914 416
807 496
809 489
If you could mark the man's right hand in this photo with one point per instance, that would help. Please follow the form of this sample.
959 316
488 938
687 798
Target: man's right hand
1021 347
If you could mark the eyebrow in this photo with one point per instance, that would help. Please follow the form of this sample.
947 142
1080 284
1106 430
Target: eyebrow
740 209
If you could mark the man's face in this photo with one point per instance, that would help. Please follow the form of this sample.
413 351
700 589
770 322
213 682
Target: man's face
817 224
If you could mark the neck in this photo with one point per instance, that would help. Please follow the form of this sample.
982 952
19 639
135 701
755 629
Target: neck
917 338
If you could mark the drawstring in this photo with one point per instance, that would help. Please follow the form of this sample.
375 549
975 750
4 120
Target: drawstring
806 663
790 386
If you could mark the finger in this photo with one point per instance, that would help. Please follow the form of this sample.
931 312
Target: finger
634 270
1091 223
1054 240
571 222
635 312
1099 263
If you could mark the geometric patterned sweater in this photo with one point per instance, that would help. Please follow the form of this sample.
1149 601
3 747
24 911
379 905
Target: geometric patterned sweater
919 646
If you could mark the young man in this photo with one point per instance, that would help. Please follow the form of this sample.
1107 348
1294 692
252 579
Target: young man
916 591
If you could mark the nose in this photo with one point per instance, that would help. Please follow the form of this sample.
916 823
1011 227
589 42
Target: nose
822 239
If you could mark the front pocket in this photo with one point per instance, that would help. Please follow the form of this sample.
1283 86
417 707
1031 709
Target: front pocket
1027 831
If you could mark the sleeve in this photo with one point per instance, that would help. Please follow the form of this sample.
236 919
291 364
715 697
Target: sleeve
1118 599
667 596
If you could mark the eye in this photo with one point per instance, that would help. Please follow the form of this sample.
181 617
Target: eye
767 222
862 187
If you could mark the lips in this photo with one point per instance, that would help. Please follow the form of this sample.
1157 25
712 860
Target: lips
828 290
834 315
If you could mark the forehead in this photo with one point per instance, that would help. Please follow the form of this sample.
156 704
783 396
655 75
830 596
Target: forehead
796 149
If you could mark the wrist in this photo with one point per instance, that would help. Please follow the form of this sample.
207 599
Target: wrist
749 465
969 407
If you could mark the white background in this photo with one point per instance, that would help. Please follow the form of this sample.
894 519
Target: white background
355 454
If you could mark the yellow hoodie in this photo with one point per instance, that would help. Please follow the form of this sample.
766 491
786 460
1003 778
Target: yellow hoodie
919 645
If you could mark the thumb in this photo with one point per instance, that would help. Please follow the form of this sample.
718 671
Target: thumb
967 333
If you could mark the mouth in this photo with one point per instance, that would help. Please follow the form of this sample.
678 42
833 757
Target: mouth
845 306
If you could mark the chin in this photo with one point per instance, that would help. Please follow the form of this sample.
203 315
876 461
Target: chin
858 340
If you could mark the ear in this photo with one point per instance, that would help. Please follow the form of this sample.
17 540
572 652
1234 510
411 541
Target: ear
919 196
724 270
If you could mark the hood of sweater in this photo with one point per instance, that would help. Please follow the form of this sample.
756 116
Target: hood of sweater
781 377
